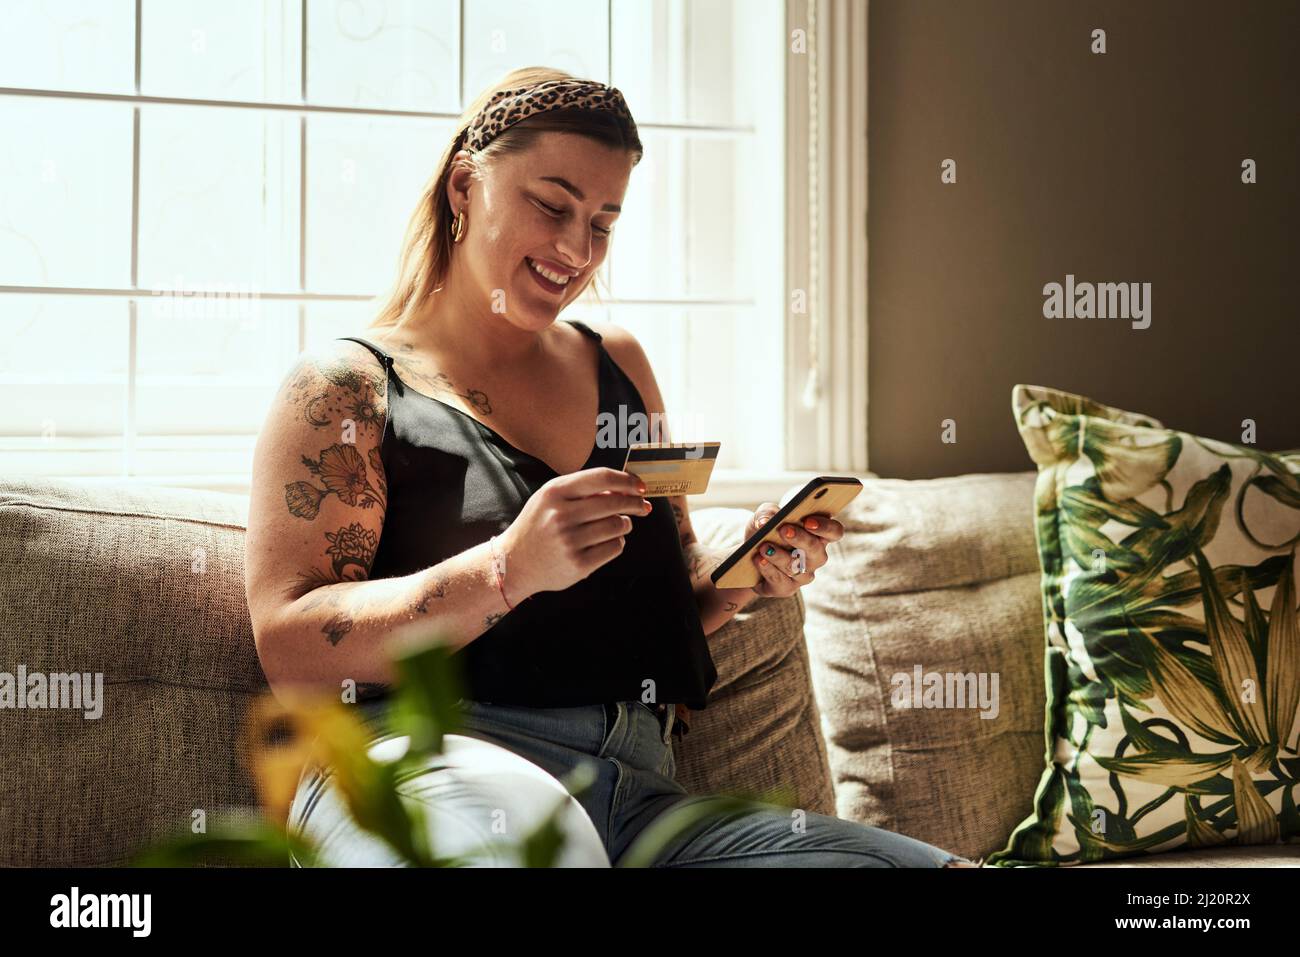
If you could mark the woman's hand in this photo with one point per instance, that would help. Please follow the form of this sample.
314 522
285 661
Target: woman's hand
802 551
570 527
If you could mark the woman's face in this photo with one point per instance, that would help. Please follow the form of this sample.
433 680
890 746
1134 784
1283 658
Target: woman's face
551 206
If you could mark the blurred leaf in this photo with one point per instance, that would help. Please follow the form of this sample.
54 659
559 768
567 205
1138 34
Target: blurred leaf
327 733
255 844
541 848
429 684
542 845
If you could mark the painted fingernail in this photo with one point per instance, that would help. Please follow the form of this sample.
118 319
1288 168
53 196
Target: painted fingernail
762 561
789 531
810 522
770 550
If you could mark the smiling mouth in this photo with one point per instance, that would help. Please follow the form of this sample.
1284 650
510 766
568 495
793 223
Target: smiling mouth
547 283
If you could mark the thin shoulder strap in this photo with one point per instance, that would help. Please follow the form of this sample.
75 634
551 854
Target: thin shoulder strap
384 358
585 328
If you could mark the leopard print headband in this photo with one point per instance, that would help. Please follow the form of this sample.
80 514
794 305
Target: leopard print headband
508 107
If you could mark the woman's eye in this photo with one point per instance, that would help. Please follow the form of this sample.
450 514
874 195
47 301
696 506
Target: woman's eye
556 212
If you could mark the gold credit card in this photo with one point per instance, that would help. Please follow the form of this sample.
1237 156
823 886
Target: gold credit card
672 468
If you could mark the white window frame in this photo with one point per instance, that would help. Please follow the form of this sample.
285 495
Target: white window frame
827 232
826 256
825 119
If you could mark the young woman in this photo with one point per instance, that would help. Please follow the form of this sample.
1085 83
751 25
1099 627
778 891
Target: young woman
443 469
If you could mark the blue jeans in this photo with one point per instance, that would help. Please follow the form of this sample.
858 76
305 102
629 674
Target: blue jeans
628 745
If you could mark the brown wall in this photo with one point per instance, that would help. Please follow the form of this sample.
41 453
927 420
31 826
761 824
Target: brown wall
1122 167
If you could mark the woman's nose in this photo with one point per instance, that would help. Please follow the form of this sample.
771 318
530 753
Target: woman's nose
575 245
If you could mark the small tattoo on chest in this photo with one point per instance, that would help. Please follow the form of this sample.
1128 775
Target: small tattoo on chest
440 384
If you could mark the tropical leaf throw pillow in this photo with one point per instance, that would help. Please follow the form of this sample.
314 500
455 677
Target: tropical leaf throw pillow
1173 656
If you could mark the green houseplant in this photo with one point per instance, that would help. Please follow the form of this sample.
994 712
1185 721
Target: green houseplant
282 734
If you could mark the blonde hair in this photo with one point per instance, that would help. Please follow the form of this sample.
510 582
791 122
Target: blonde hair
426 247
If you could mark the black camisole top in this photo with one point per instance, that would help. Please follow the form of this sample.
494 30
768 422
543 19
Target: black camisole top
454 482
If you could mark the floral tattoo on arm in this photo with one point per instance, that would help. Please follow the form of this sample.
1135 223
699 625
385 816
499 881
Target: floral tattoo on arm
350 399
351 394
342 472
351 551
335 395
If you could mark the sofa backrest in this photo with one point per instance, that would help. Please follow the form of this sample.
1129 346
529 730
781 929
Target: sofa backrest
144 586
937 578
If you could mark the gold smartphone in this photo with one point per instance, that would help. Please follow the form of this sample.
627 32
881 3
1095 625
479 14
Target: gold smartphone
826 494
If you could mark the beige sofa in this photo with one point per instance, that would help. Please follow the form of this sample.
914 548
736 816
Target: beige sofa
144 585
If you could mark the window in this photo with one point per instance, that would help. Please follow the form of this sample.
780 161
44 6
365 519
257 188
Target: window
192 191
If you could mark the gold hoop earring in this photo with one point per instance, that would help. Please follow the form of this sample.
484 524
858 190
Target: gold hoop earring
458 228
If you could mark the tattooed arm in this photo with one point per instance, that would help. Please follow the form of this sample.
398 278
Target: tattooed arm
716 605
316 514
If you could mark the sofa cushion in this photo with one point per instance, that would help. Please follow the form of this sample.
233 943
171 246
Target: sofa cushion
937 576
145 586
1173 654
761 731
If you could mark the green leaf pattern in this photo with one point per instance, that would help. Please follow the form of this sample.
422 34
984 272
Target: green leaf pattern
1173 682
